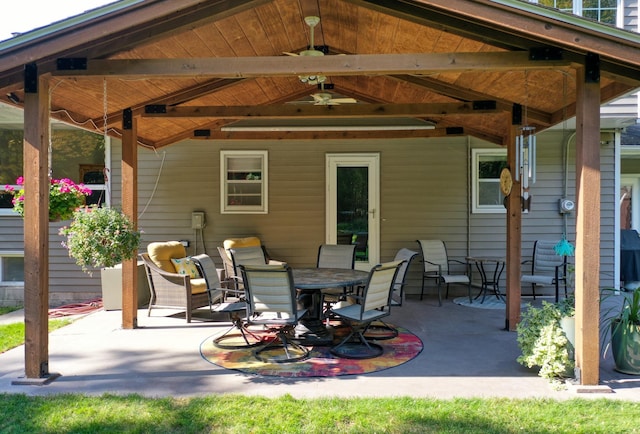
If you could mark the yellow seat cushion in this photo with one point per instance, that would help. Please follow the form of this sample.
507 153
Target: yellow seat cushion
198 286
162 252
235 243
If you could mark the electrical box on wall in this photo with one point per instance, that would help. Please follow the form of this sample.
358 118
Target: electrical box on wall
197 220
566 206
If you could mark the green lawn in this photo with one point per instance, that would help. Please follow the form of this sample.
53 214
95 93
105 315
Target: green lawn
12 335
240 414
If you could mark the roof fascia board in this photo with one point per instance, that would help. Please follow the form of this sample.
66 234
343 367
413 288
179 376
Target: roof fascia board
531 26
109 33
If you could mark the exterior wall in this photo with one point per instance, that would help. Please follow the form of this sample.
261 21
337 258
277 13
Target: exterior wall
423 190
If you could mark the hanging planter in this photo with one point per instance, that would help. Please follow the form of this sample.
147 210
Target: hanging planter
100 237
65 196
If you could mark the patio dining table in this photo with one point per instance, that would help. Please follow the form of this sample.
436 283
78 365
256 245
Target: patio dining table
310 282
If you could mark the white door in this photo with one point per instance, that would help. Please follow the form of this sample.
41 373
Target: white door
353 205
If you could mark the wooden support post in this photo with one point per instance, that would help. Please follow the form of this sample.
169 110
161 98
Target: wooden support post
130 208
514 236
587 268
36 229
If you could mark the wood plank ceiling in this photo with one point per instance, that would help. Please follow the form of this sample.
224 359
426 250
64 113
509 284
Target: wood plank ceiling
272 28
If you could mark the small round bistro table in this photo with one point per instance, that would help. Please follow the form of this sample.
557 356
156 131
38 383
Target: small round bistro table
490 281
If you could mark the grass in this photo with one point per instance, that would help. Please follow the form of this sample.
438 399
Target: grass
242 414
12 335
7 309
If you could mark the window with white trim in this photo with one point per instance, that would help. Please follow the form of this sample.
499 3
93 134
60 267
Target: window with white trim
75 154
244 182
11 268
485 180
604 11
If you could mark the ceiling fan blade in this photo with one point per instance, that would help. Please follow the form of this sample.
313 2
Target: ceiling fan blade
290 54
344 100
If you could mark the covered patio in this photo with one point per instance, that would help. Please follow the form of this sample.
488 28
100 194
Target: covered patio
466 354
154 73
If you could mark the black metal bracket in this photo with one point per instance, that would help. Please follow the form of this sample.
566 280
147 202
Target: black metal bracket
155 108
71 64
516 115
454 131
127 119
592 68
484 105
201 133
545 53
31 78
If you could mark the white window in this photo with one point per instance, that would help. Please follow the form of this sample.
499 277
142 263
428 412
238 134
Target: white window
243 182
485 187
11 268
604 11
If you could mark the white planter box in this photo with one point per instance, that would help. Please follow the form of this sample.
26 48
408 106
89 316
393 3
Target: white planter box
112 287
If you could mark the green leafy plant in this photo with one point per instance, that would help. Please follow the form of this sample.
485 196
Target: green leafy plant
65 196
542 340
623 322
100 237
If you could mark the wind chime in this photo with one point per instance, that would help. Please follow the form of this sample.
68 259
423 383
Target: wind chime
526 154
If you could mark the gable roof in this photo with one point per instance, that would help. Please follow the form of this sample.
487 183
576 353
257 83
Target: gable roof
202 64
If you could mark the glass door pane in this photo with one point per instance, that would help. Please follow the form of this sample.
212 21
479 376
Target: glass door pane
352 209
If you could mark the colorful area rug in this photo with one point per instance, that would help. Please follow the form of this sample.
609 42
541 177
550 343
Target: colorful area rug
321 363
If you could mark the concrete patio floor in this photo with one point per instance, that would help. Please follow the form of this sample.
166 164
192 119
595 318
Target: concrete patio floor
466 354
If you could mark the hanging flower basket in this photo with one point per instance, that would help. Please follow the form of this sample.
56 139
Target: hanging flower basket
65 196
100 237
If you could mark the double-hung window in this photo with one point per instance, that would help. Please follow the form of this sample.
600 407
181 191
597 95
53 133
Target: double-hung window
485 187
605 11
243 182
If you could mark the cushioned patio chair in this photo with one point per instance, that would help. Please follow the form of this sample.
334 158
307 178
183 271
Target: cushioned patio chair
547 268
174 280
271 301
438 266
373 305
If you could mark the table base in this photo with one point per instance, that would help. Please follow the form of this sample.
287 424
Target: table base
312 332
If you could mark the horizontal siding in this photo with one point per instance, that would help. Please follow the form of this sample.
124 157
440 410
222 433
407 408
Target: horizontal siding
630 15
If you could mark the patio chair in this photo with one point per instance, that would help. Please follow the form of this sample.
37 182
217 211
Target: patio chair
335 256
438 266
547 268
407 256
174 280
271 301
372 305
236 310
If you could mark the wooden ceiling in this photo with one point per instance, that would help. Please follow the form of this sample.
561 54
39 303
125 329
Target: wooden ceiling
204 64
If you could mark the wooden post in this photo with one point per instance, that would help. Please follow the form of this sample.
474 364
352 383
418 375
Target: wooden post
587 267
514 234
130 208
36 229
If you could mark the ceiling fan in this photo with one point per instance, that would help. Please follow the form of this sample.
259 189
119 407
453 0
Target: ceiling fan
312 22
325 98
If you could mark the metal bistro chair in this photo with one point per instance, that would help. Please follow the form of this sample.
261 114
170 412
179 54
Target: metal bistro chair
372 305
407 256
437 265
271 301
547 268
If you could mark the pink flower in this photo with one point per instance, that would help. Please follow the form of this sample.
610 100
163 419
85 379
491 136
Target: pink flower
9 188
20 180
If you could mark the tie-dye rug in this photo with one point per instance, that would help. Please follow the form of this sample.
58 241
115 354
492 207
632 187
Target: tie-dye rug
321 363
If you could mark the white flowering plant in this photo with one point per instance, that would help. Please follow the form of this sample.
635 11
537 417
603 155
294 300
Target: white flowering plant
100 237
542 341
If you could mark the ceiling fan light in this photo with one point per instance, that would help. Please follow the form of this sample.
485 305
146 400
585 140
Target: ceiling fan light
312 79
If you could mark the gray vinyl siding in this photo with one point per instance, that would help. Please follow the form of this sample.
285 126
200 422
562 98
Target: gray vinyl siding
424 193
630 15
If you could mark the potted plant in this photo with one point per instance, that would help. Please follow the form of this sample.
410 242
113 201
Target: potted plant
100 237
624 324
65 196
543 341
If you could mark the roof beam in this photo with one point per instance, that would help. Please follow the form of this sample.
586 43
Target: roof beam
311 111
355 64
